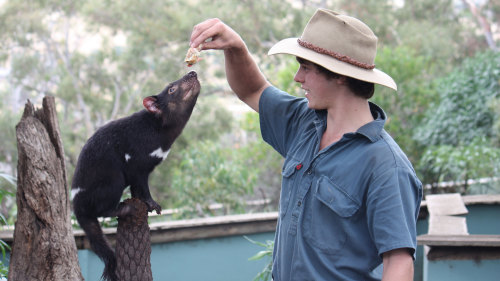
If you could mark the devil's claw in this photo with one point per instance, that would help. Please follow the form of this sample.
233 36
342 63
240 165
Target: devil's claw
152 205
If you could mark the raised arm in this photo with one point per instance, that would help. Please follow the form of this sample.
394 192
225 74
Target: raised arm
243 74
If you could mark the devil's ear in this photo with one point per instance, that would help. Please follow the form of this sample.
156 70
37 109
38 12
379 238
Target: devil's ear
151 105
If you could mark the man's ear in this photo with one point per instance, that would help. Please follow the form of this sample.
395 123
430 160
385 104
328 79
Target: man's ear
151 105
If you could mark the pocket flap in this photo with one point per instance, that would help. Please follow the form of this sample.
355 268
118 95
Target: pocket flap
290 168
336 198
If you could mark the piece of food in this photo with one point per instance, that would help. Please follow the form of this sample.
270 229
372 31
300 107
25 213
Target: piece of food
193 56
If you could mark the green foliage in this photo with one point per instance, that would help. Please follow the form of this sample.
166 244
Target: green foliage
226 170
464 110
210 173
100 58
264 160
495 107
210 120
459 131
7 199
4 270
458 163
283 75
4 247
406 107
267 253
8 118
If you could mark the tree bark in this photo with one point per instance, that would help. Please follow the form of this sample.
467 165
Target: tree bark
44 246
133 244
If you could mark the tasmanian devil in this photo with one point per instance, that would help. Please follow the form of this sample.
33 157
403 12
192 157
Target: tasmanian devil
123 153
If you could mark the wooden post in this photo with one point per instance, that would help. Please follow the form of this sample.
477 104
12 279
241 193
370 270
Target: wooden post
133 244
44 247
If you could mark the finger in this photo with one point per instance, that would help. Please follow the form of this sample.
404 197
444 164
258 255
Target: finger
203 31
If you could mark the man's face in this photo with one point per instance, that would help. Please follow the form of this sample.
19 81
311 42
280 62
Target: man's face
319 90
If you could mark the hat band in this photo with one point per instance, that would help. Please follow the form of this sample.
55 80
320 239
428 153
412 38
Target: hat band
338 56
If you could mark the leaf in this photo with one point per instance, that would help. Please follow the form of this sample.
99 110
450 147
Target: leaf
260 255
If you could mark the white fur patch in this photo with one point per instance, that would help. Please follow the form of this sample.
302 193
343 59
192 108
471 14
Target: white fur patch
74 192
127 157
160 153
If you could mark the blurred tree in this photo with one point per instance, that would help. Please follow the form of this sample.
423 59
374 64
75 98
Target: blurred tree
473 161
406 107
464 109
100 58
495 107
437 30
459 130
484 12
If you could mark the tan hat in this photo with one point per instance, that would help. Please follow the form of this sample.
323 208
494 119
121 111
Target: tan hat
339 43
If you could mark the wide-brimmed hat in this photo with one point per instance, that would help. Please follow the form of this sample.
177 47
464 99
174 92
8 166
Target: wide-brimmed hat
339 43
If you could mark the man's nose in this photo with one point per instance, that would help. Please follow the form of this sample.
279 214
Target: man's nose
298 77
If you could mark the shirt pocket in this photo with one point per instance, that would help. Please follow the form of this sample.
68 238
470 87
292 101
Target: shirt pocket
335 198
329 219
289 173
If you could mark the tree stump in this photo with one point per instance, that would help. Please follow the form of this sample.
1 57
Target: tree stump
44 246
133 244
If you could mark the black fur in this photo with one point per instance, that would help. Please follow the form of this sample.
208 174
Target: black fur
121 154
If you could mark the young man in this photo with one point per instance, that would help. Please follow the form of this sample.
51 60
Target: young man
350 197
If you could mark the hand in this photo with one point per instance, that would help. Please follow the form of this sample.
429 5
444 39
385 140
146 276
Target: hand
243 74
223 37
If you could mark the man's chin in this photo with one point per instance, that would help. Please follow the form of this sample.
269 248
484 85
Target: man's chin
314 106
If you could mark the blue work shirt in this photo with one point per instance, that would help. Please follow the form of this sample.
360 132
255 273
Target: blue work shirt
342 207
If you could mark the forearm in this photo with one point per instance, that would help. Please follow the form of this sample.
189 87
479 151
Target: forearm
244 76
398 266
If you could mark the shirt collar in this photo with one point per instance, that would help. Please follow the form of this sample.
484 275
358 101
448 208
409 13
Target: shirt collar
374 129
371 130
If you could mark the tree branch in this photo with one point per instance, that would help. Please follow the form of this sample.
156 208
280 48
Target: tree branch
483 23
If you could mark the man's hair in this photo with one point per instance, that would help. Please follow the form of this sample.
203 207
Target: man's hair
360 88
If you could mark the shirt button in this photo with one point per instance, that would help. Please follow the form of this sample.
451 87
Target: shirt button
309 172
299 203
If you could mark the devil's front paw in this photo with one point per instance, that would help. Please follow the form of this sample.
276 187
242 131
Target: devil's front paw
152 205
